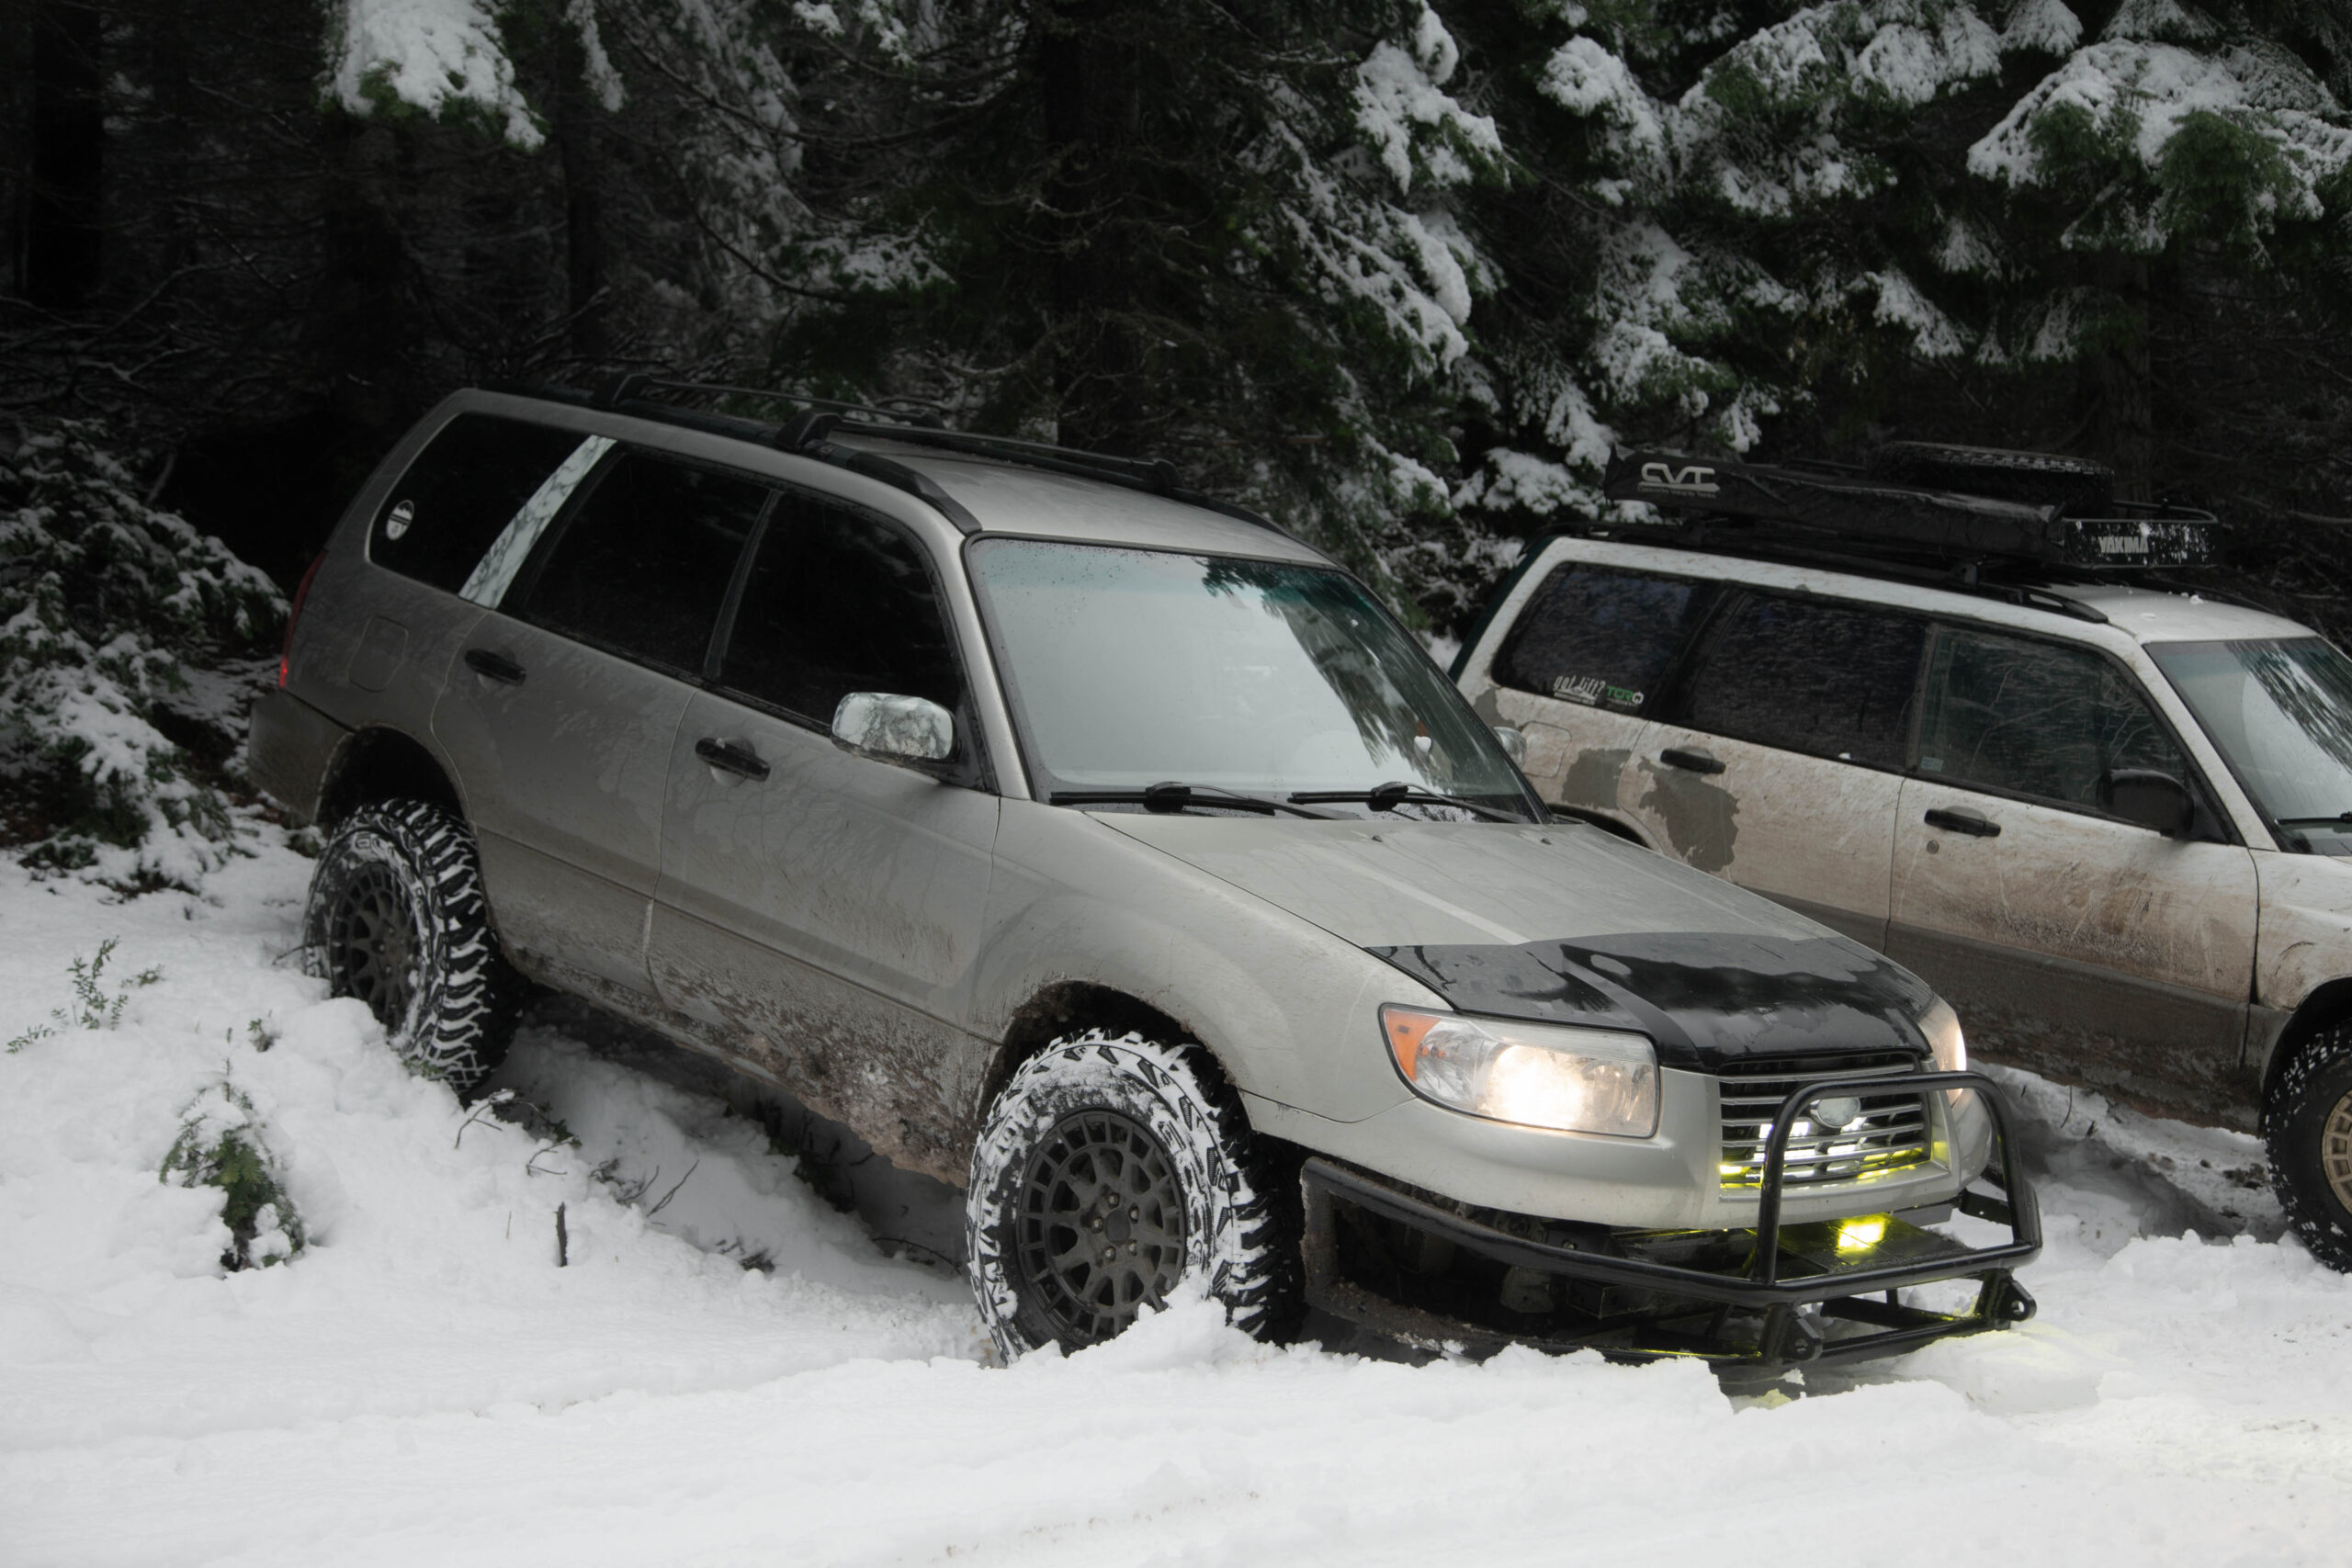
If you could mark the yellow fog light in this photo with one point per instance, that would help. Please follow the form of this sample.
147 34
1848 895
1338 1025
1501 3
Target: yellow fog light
1861 1234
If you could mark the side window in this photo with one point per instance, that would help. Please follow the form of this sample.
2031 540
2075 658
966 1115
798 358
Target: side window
641 566
1806 675
2035 718
1597 636
460 494
839 601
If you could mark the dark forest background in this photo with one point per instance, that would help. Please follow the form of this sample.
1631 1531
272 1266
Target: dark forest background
1399 273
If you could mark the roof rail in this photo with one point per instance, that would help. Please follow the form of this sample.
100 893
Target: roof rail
1857 513
809 433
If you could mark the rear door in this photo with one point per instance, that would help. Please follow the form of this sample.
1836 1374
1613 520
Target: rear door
1778 761
821 909
2070 940
560 709
1579 668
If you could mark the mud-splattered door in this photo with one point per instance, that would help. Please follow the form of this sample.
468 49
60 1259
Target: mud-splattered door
1777 764
2071 940
561 708
823 910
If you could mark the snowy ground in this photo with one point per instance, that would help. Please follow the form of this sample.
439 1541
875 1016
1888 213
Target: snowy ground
425 1386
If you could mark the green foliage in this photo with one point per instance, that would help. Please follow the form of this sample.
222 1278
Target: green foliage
111 614
92 1008
221 1143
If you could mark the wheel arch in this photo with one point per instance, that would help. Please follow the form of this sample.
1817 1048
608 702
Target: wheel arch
1065 1006
2327 1005
381 763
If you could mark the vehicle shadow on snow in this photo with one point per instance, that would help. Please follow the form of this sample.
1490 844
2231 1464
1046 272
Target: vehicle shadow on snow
908 1216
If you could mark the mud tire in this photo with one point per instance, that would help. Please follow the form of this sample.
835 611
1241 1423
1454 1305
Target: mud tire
397 917
2307 1132
1240 1229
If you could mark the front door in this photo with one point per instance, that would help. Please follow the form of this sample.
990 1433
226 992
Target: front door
561 710
2071 940
821 910
1777 764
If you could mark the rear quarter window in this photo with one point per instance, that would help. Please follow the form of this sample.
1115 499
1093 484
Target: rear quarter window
460 493
1600 637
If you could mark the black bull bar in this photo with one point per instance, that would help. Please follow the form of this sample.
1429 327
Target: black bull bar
1752 1309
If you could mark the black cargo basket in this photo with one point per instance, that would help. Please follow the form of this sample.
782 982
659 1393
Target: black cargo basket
2020 507
1659 1301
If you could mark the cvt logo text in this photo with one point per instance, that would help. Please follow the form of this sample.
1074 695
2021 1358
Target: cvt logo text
1692 481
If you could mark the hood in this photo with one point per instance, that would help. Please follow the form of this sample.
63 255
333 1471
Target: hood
1566 924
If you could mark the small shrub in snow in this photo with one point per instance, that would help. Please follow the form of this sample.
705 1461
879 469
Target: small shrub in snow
221 1144
93 1009
118 623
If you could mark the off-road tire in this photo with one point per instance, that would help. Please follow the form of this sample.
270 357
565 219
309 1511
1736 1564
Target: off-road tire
397 917
2308 1134
1098 1116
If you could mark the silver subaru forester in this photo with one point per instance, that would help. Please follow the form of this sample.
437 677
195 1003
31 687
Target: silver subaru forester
1099 848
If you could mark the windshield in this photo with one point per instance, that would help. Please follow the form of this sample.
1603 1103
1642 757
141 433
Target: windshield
2282 713
1129 668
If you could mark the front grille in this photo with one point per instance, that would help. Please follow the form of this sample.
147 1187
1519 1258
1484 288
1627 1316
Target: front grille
1892 1134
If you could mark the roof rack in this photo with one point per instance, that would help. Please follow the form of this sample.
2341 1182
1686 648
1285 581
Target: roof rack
1952 507
809 433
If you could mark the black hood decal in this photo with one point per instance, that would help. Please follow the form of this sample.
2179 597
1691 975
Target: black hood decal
1708 999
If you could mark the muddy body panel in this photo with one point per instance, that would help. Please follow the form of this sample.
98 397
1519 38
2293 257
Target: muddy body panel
564 772
2096 951
827 917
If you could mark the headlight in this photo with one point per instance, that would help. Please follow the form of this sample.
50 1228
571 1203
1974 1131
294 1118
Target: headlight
1538 1075
1941 1026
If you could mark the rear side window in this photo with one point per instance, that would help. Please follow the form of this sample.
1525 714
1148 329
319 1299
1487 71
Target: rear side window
1601 638
641 566
839 601
459 494
1804 675
2035 718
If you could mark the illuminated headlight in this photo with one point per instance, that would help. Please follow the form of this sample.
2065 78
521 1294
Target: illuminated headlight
1537 1074
1941 1026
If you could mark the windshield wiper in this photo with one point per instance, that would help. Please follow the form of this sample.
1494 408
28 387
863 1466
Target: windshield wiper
2315 821
1174 796
1396 793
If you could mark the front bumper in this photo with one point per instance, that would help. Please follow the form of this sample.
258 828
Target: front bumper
1770 1295
1670 1181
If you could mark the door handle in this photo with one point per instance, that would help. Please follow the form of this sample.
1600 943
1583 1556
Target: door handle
1964 820
1690 759
494 666
734 759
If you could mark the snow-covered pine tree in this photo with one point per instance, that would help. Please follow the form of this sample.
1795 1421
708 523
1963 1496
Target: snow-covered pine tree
1814 224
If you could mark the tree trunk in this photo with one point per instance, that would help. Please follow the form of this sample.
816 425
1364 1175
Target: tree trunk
2116 379
1085 80
65 211
583 211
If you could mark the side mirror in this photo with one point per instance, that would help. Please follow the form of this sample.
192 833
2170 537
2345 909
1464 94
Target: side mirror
1515 742
2151 799
892 728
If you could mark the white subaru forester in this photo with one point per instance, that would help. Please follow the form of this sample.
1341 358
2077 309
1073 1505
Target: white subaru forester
1954 706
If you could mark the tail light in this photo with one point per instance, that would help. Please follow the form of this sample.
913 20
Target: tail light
286 652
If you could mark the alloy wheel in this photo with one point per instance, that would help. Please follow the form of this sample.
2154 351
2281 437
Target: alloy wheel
1101 1230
